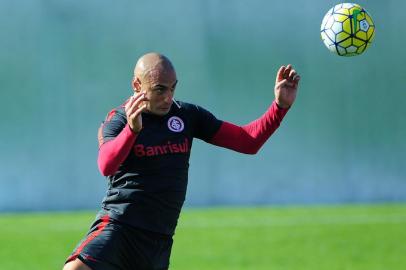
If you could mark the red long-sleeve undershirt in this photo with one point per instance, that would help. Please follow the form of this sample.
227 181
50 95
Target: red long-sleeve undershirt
114 152
246 139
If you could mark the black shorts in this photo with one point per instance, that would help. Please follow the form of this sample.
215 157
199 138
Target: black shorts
111 245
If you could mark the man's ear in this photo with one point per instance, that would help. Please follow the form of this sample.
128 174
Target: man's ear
136 84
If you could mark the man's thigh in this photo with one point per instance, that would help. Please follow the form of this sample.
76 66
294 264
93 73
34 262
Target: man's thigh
76 265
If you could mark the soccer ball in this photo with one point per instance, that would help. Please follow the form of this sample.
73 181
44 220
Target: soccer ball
347 29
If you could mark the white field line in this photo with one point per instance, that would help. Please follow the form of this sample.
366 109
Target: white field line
298 221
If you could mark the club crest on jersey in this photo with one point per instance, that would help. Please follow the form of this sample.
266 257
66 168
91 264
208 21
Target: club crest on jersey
175 124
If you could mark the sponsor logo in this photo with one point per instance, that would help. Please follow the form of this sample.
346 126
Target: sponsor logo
141 150
175 124
355 14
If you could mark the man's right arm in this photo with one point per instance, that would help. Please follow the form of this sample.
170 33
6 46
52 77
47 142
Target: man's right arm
115 142
118 133
113 152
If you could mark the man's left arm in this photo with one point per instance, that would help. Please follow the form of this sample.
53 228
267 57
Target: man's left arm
249 139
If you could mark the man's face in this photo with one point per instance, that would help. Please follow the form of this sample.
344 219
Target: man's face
159 87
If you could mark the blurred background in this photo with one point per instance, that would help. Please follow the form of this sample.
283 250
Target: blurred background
65 64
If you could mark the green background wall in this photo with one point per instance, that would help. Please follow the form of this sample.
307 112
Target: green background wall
65 64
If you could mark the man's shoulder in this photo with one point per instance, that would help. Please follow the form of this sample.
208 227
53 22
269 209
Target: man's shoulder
192 111
118 111
186 109
191 107
182 104
186 106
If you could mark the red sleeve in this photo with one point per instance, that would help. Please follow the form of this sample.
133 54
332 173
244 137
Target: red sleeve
248 139
113 153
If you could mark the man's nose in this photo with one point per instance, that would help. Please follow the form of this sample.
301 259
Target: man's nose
168 97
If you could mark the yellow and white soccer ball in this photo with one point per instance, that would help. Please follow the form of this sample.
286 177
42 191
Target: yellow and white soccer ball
347 29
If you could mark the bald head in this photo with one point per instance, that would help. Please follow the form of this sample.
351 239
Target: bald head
155 76
153 65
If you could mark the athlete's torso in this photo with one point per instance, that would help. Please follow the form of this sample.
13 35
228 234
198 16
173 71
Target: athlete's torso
149 188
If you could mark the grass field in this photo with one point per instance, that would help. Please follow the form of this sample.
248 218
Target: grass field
362 237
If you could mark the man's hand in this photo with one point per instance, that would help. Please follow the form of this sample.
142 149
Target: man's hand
133 110
286 85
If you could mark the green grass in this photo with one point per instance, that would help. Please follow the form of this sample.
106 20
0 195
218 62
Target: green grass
369 237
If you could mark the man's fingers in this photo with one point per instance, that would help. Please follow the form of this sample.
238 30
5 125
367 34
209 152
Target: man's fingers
292 74
281 83
279 76
136 103
287 77
296 79
287 71
138 111
286 84
129 103
131 100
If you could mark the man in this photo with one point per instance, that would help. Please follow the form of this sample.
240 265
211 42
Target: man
144 151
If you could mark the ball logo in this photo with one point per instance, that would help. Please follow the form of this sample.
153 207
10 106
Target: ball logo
175 124
355 14
364 25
